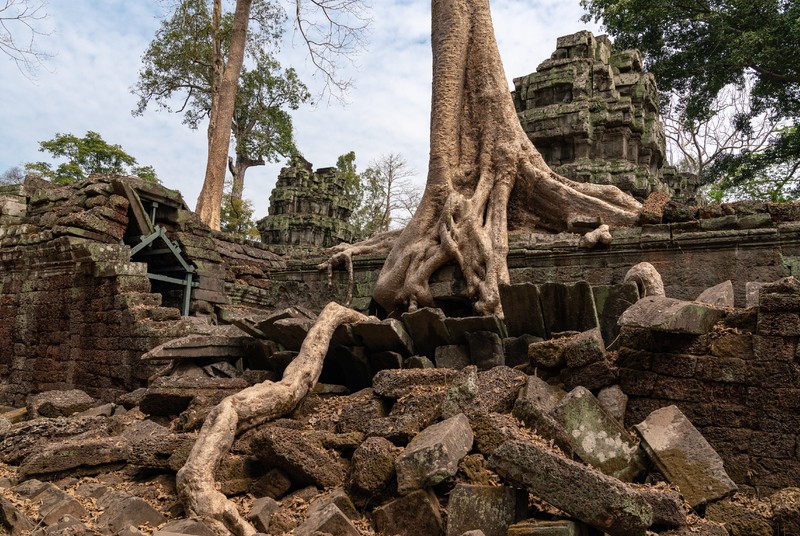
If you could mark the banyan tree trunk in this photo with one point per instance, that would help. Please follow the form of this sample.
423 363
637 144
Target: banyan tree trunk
484 175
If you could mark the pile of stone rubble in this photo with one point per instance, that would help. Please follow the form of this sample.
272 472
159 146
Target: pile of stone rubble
422 426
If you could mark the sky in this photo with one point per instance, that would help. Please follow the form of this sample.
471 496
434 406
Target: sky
96 46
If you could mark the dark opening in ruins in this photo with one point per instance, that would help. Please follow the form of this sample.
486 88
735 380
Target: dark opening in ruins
150 216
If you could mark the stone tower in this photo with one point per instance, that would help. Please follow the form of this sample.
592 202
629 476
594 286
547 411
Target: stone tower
593 114
307 209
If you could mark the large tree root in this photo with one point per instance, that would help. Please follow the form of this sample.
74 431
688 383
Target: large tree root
342 254
244 410
485 176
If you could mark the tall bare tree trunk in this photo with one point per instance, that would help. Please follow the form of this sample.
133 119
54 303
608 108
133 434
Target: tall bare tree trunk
210 200
484 174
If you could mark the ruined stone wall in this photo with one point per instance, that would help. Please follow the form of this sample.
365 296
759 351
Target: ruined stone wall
737 383
76 311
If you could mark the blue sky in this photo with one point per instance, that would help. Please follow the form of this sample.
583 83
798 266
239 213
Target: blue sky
97 47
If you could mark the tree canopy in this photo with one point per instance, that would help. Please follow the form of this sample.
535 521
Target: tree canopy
89 155
697 49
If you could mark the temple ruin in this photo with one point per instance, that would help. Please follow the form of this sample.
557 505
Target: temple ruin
595 406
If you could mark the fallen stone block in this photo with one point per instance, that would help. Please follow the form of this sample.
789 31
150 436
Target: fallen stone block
275 484
659 313
585 348
12 520
611 301
66 526
194 347
433 455
590 496
337 497
289 332
538 527
399 429
124 510
452 356
397 383
596 438
423 404
384 335
684 457
418 361
498 389
385 360
492 430
58 403
593 376
192 526
786 510
373 466
327 520
614 401
699 526
426 328
261 513
412 515
743 517
77 457
490 509
516 349
533 406
485 349
357 415
718 296
55 503
301 455
668 506
547 354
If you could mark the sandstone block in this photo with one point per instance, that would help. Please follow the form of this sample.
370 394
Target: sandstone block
12 520
684 457
485 349
718 296
596 499
385 335
490 509
59 403
412 515
659 313
433 455
261 513
523 313
452 356
597 438
536 400
426 327
300 455
373 465
460 326
327 520
561 527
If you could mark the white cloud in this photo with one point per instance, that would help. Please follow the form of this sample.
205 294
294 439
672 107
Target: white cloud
99 43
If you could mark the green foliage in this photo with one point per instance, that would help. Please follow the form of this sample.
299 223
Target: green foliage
89 155
696 49
178 76
236 217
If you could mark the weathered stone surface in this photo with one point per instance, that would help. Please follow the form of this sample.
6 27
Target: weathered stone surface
752 293
718 296
786 510
433 455
485 349
77 456
397 383
538 527
339 498
598 439
412 515
192 526
327 520
59 403
498 389
418 361
584 349
12 520
426 327
611 301
700 526
536 400
668 506
299 454
28 437
614 401
684 457
659 313
741 517
523 313
423 404
123 510
460 326
492 430
274 484
261 513
516 349
547 354
289 332
490 509
568 307
373 466
357 415
452 356
596 499
384 335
